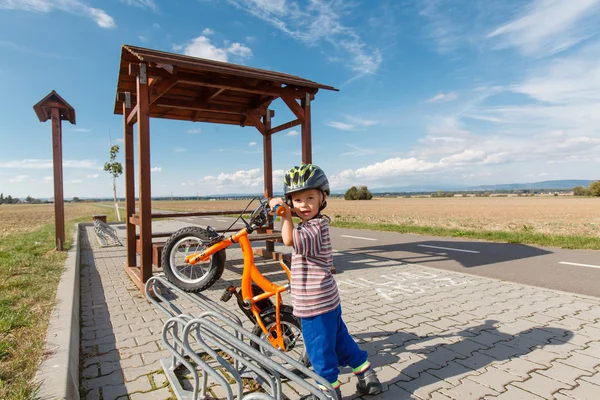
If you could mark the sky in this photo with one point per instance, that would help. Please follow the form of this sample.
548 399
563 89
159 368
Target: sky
464 92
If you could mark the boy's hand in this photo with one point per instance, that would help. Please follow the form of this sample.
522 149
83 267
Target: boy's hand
275 201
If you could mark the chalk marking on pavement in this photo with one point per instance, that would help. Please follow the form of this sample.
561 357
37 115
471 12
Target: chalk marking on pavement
580 265
357 237
222 220
449 248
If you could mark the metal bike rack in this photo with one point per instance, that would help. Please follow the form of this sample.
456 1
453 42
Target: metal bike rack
193 339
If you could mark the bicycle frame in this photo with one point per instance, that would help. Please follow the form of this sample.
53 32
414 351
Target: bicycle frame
251 274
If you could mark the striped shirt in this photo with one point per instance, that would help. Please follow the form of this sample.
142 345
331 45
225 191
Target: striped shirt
314 291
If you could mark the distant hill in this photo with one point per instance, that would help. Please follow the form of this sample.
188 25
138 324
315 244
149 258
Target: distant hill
560 184
556 184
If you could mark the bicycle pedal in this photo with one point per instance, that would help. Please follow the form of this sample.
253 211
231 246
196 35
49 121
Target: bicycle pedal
227 293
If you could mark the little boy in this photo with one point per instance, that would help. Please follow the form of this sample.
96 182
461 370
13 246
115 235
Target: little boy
314 292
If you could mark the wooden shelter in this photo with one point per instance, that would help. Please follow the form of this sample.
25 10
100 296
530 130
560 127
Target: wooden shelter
56 108
156 84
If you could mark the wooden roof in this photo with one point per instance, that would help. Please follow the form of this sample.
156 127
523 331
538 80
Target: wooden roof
196 89
44 107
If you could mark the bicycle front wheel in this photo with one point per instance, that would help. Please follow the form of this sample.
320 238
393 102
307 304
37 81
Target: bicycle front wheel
191 278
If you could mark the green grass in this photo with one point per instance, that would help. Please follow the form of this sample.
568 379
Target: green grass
30 270
524 236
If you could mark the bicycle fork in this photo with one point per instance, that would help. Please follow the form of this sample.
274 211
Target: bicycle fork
253 314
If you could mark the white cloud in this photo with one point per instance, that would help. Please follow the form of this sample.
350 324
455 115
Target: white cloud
179 150
73 181
92 176
315 22
203 48
569 80
240 50
292 133
47 164
194 130
143 39
340 125
80 130
549 26
207 32
352 124
443 97
19 178
357 151
241 178
76 7
141 3
155 169
252 144
47 179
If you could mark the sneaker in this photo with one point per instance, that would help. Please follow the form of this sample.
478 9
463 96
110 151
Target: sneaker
338 392
368 382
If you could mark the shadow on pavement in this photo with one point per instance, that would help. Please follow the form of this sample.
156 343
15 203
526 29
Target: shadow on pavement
475 348
468 254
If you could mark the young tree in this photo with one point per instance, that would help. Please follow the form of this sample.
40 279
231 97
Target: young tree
1 198
115 169
9 199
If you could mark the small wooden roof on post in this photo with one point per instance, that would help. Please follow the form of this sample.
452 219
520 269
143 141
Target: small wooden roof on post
156 84
56 108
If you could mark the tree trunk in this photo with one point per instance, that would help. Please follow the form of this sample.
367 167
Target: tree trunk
115 200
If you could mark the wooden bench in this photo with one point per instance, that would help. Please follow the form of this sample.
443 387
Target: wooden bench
157 247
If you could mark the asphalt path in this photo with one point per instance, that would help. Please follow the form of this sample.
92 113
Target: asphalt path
576 271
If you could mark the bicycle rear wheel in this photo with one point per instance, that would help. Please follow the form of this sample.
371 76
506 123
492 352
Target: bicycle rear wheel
191 278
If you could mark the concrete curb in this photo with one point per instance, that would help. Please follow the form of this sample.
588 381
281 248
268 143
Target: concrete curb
58 375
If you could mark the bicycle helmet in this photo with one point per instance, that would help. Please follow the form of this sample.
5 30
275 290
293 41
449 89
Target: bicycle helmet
306 176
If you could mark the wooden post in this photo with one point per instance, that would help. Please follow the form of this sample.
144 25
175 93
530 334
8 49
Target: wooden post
129 189
59 201
268 170
55 108
143 123
306 132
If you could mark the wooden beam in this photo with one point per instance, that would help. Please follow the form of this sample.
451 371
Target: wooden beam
294 107
129 190
132 118
204 106
215 94
59 201
283 127
240 85
256 122
162 88
145 207
306 132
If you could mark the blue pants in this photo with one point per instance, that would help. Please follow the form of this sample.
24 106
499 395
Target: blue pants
329 345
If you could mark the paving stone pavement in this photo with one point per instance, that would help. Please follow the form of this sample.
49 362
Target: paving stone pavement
430 334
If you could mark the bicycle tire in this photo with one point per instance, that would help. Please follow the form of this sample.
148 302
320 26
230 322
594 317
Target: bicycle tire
215 266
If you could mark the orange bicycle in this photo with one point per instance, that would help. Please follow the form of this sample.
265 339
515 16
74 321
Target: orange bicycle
195 248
